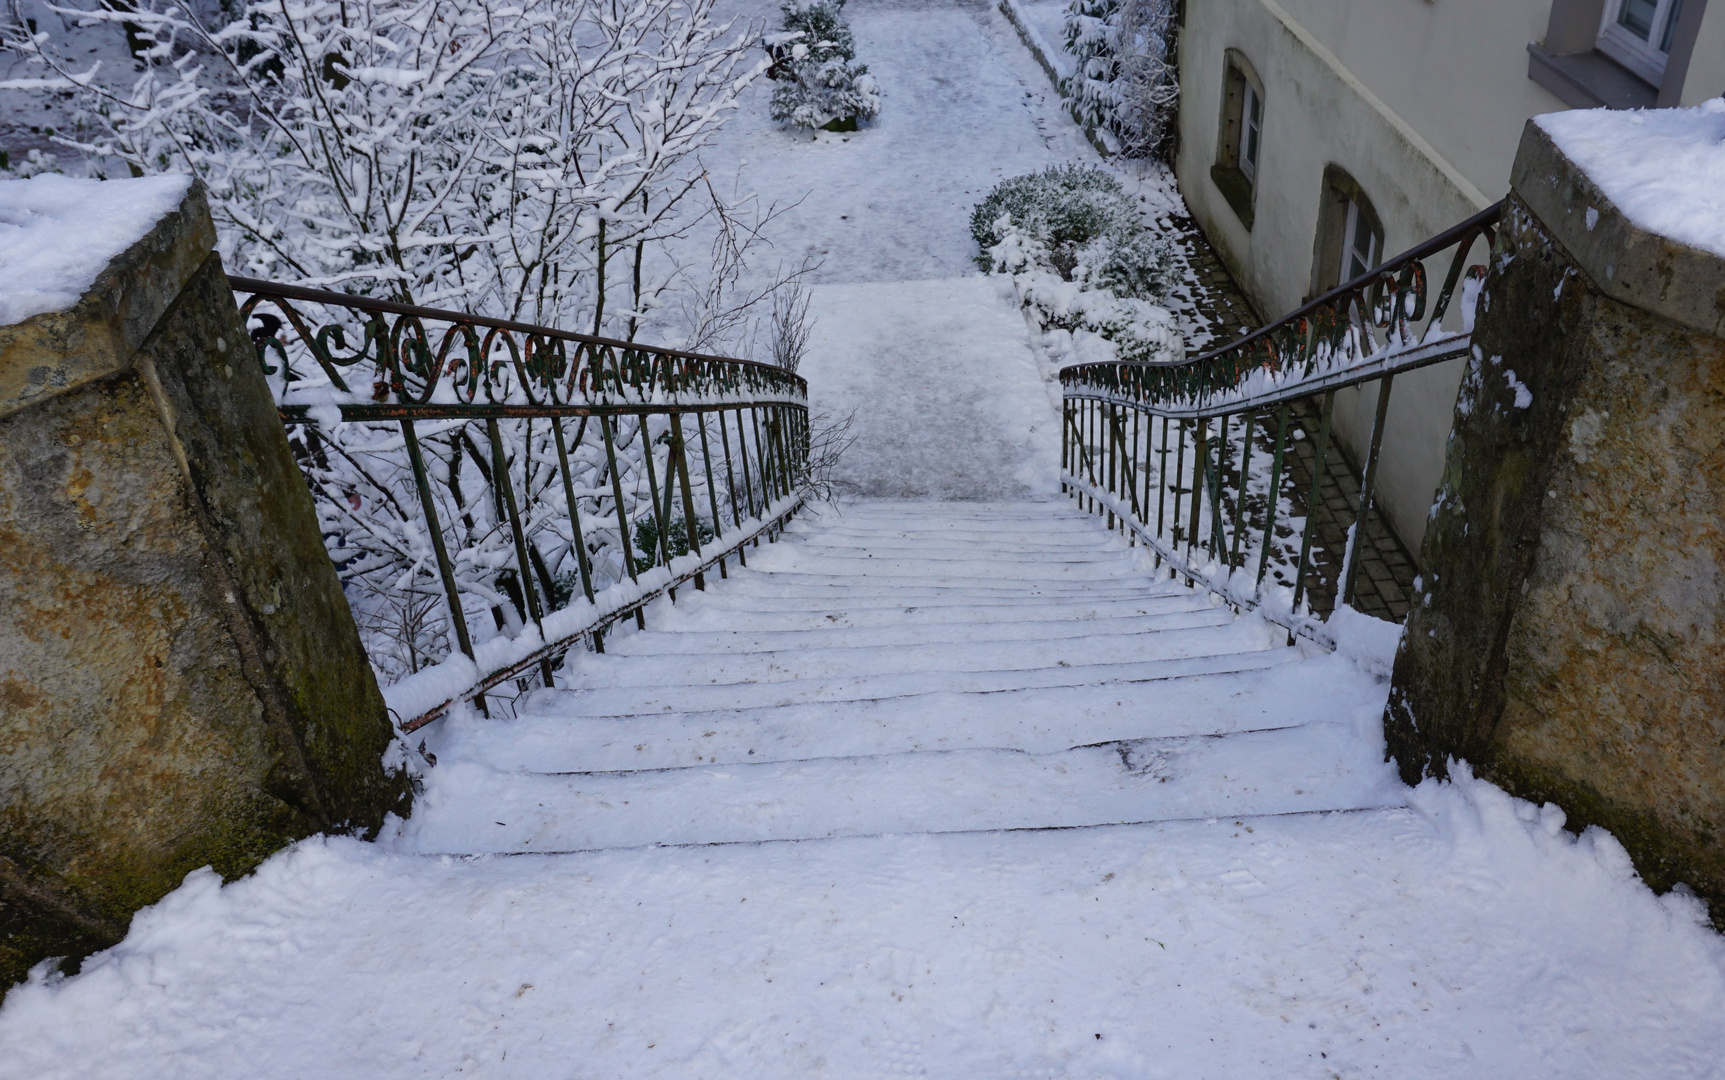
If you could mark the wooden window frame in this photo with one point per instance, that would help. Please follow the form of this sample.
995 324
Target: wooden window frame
1343 209
1236 177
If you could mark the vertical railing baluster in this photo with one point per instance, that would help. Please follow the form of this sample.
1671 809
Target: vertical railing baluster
1240 493
1312 500
1065 444
1274 495
679 463
712 489
1179 479
1350 561
622 513
1218 537
730 469
1200 459
445 568
580 542
661 519
523 566
1162 488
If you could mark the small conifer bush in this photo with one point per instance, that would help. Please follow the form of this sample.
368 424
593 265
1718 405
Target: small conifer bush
814 58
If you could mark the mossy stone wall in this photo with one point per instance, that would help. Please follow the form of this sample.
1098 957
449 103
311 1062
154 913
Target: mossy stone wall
1569 641
181 682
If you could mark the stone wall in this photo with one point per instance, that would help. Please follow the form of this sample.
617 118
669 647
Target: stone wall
1570 640
180 677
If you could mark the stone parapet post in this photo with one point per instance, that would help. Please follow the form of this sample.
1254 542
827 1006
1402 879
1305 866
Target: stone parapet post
181 681
1569 637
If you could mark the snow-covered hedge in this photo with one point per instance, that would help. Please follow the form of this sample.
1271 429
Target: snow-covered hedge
1081 260
814 58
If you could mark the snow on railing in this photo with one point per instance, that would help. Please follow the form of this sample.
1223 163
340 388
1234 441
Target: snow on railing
1214 462
493 493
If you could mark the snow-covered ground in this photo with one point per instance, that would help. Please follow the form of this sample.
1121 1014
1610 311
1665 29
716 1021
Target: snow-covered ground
952 789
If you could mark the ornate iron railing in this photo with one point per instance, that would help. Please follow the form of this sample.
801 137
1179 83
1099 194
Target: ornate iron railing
494 493
1224 464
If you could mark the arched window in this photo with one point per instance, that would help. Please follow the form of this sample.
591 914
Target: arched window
1240 143
1350 235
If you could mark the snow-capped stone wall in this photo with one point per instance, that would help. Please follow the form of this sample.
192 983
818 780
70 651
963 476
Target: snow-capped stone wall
181 683
1568 640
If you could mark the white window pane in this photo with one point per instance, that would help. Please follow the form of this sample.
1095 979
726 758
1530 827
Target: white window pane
1636 16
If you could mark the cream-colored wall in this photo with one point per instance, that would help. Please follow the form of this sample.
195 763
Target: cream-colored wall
1423 103
1455 70
1706 76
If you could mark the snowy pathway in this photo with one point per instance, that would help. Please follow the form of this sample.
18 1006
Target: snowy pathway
933 788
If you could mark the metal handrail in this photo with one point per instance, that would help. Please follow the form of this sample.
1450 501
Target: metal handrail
1166 450
1320 339
494 464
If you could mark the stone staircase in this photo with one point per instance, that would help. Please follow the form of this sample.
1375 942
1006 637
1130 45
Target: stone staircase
909 667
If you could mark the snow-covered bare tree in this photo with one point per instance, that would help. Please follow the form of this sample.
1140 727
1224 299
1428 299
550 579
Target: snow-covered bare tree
522 159
501 152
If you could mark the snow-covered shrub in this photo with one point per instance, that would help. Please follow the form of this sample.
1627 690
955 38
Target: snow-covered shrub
834 94
813 32
814 57
1124 83
1078 221
1081 260
35 163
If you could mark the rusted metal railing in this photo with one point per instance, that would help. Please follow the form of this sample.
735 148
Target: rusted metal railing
1224 465
494 493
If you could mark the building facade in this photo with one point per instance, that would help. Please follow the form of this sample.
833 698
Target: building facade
1319 136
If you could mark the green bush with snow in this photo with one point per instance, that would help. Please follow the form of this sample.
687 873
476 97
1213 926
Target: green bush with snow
1080 258
814 58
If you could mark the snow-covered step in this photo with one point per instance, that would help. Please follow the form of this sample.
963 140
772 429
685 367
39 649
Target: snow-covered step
881 659
667 696
1039 721
693 641
909 573
744 590
1297 770
718 608
910 668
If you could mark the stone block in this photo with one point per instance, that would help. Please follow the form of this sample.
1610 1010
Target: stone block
181 682
1568 638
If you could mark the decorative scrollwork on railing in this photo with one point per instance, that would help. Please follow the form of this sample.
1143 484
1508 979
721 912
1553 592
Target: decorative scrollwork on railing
474 360
1380 318
493 492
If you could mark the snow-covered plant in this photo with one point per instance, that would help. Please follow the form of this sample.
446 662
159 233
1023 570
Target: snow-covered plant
493 151
813 31
1077 221
1124 83
34 163
1080 259
821 84
835 95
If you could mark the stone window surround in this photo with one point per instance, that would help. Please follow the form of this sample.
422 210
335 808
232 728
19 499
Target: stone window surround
1570 65
1231 180
1340 192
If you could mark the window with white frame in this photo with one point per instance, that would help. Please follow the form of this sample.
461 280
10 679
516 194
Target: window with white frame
1251 127
1360 241
1638 34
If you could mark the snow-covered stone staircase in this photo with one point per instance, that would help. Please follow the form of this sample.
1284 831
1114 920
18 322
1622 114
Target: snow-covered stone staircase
906 667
